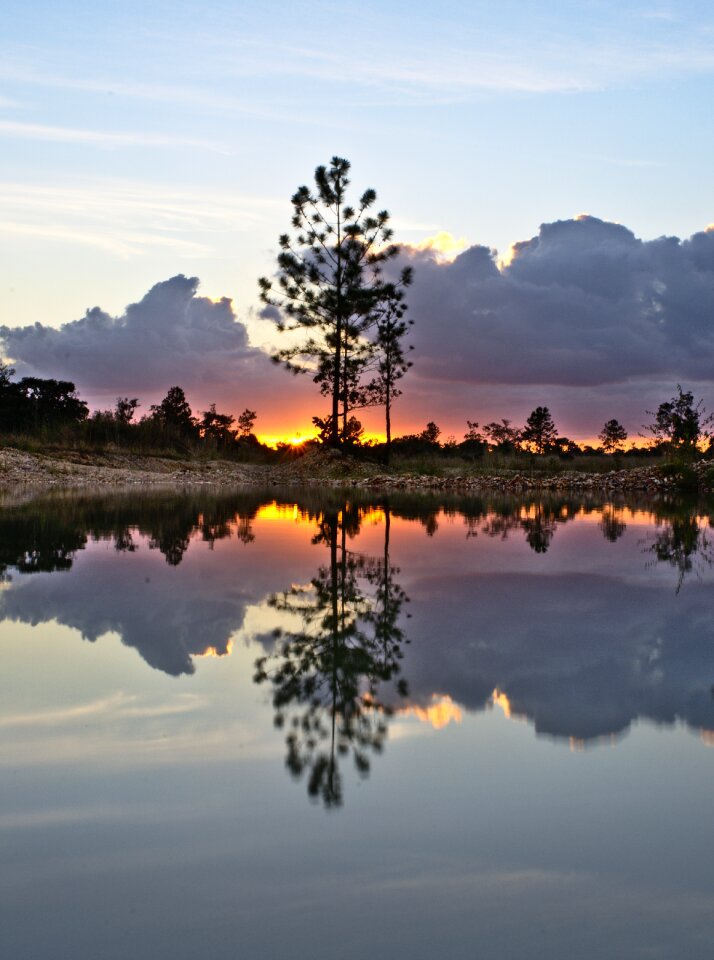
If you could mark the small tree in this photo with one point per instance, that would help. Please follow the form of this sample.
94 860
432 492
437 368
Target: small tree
502 434
216 427
174 412
472 434
331 286
390 328
680 423
430 433
246 423
125 409
540 431
612 436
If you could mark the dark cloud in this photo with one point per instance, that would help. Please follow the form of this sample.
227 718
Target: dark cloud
170 336
584 303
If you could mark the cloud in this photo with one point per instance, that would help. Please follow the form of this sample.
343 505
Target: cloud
584 317
100 138
170 336
584 303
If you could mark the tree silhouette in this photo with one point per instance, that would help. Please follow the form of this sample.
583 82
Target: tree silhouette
612 436
174 413
680 422
539 430
390 361
216 427
331 285
502 434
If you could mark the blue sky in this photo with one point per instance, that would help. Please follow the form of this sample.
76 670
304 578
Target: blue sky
143 140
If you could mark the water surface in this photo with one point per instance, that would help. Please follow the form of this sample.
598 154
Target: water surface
295 725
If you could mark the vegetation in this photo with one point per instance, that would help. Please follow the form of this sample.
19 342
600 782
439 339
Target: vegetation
38 414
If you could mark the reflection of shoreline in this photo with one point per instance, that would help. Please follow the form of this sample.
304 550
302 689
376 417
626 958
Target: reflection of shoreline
581 652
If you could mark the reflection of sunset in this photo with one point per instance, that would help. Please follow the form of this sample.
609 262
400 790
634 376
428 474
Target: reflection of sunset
440 713
499 699
280 511
213 652
707 737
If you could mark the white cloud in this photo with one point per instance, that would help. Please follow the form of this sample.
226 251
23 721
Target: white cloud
101 138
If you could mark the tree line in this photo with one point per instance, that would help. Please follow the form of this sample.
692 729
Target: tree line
680 425
52 410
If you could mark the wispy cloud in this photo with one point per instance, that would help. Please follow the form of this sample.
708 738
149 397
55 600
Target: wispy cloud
102 138
129 217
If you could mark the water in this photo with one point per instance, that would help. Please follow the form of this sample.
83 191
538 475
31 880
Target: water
260 725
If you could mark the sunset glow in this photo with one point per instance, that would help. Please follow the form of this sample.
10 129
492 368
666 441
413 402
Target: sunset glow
439 713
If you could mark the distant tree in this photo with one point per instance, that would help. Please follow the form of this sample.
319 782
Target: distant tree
49 403
216 427
612 436
331 285
246 422
473 445
502 434
175 413
430 433
472 432
680 422
565 447
125 409
540 431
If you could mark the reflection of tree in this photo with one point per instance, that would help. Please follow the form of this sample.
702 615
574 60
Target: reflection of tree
537 520
539 528
328 674
681 542
611 525
44 535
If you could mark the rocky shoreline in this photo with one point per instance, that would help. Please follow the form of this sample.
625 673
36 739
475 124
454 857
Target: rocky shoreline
324 468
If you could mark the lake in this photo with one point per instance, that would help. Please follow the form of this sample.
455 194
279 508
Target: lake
298 724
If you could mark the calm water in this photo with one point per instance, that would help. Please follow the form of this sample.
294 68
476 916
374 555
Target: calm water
286 727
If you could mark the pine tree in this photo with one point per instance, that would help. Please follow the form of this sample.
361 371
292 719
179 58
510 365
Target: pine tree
540 430
612 436
331 286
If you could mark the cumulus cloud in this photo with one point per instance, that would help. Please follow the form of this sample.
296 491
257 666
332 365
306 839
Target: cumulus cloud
170 336
583 303
584 317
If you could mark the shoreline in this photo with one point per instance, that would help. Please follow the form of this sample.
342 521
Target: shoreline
111 469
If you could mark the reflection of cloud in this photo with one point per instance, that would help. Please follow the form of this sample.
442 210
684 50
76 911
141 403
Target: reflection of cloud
168 614
582 656
118 705
439 713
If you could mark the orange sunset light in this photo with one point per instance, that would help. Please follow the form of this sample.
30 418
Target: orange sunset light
297 439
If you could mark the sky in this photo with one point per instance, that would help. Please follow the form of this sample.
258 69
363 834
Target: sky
149 152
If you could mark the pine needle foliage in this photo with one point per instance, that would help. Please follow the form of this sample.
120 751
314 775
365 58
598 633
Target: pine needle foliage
331 287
